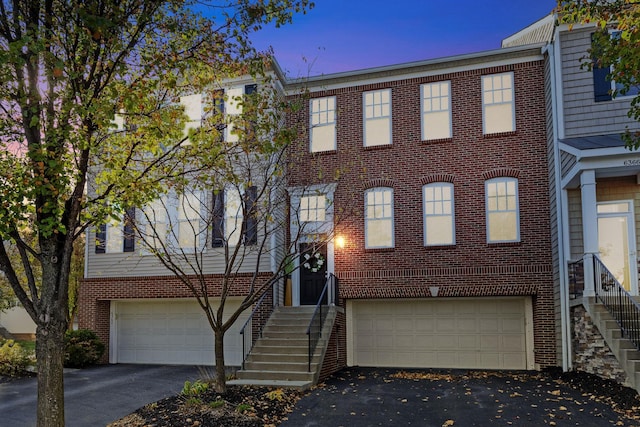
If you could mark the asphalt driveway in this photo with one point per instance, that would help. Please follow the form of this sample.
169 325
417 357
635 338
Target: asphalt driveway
96 396
363 397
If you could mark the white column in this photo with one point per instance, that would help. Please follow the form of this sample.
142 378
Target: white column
589 227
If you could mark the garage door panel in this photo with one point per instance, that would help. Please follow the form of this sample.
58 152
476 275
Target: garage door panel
443 333
175 332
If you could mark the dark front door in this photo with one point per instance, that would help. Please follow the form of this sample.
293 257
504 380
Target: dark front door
313 269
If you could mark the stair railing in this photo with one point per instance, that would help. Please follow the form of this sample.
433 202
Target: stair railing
247 333
576 278
619 303
314 331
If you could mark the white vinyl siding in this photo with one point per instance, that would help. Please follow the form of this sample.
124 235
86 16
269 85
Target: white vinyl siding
379 218
436 110
323 124
498 106
439 224
503 216
377 117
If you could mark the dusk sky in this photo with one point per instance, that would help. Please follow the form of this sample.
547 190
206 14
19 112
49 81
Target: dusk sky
345 35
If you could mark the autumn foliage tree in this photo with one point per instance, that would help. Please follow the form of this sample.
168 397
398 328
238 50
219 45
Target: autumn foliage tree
68 67
616 44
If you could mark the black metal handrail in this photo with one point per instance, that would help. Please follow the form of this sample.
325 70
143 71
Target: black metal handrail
314 331
250 321
576 278
620 304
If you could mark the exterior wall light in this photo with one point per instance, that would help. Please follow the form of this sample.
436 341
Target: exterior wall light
340 242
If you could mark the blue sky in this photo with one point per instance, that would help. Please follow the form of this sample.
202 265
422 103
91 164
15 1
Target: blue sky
344 35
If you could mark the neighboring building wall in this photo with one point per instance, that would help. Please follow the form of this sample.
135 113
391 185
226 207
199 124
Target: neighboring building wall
471 267
582 115
590 351
18 323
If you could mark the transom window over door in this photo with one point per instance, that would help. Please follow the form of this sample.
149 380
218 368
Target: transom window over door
503 217
323 124
439 228
377 118
498 106
313 208
378 230
436 110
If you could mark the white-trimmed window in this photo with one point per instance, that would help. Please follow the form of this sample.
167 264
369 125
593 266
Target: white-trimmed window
378 229
436 110
439 223
156 224
377 117
503 213
114 236
323 124
313 208
193 110
498 106
233 217
189 228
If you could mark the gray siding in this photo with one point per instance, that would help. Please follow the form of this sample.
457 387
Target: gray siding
552 212
141 263
567 162
575 224
582 115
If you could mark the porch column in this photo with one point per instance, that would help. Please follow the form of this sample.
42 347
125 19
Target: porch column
589 227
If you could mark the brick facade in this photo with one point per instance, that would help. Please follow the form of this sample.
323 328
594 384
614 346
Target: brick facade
96 296
471 267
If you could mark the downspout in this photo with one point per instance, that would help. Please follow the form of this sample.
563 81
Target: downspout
553 51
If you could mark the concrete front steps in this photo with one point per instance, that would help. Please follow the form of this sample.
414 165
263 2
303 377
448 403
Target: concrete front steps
623 349
280 357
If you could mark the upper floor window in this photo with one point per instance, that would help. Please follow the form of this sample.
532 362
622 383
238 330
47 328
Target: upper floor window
156 225
377 117
436 110
240 224
323 124
193 110
503 213
498 106
378 230
116 236
189 224
313 208
439 224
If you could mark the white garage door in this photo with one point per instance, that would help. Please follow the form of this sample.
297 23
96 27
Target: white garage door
439 333
170 332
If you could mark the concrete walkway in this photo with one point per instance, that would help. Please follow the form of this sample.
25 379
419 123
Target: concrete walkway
96 396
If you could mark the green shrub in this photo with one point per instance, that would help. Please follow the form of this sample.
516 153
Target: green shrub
13 358
82 348
194 388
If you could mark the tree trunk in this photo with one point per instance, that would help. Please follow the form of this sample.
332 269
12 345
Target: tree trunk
221 374
50 357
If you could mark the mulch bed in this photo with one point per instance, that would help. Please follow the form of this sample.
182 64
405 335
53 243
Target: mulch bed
263 409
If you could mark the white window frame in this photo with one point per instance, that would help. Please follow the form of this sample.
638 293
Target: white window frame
322 124
376 110
496 95
313 208
439 205
114 237
233 217
381 211
156 212
189 211
435 105
503 203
